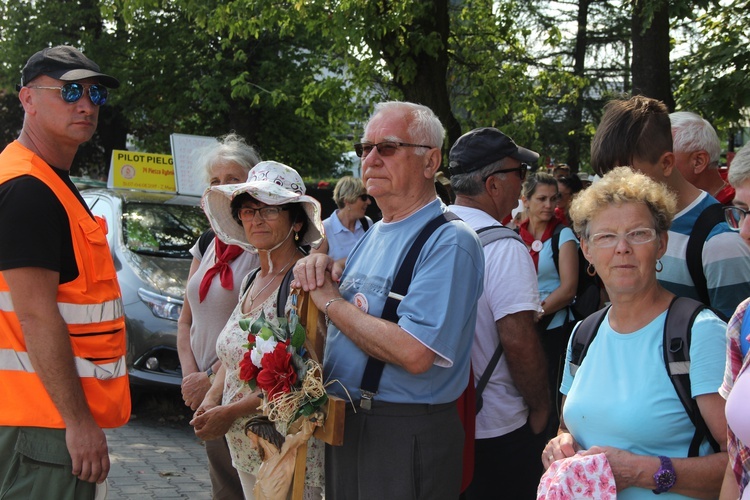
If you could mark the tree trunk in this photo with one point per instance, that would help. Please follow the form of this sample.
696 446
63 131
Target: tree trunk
575 112
650 66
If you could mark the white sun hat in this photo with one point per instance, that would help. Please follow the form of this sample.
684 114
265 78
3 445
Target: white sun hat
268 182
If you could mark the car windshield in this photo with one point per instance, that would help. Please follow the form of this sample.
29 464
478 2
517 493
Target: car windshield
162 230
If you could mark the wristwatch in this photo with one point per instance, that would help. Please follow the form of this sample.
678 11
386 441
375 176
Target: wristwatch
665 477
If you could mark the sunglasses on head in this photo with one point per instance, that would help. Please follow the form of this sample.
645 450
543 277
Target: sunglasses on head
72 92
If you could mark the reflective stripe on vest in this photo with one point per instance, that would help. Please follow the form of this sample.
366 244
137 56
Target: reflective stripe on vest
19 361
77 314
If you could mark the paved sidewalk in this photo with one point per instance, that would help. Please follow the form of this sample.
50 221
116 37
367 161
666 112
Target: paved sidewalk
156 459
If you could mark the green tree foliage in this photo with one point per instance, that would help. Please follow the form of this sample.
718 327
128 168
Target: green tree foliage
298 78
714 77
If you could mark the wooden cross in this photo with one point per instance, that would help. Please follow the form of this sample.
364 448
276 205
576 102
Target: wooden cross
332 431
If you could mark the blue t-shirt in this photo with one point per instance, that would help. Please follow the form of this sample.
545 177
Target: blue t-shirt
340 239
622 396
439 308
548 278
726 261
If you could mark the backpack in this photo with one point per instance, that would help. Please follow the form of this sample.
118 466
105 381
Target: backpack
680 317
588 291
706 221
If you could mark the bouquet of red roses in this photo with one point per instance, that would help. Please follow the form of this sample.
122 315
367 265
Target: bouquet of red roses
275 363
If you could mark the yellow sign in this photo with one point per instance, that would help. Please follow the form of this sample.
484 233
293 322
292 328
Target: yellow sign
149 171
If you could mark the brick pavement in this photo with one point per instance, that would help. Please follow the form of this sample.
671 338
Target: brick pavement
155 459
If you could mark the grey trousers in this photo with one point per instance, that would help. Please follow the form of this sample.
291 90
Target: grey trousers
398 451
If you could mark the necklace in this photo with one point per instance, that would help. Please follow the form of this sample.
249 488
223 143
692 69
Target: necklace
252 299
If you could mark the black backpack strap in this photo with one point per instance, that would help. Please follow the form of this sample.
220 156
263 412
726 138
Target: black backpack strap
677 331
707 220
487 235
205 239
374 368
556 246
485 378
248 281
365 223
582 338
283 294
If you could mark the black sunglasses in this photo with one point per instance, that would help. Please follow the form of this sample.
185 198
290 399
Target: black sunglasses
72 92
387 148
522 171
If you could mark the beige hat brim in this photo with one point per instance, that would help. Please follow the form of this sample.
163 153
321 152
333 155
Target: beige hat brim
217 202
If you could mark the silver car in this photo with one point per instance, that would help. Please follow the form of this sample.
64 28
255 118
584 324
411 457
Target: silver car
150 235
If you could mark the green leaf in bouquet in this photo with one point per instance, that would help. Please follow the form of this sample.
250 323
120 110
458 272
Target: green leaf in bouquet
299 366
298 337
317 403
252 384
258 324
293 322
266 333
244 324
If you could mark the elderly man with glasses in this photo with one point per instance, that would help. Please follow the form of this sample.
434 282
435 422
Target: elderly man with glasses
404 371
62 331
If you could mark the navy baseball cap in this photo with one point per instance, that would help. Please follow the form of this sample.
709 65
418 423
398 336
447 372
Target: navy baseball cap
64 63
480 147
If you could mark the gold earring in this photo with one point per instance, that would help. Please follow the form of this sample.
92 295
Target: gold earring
296 236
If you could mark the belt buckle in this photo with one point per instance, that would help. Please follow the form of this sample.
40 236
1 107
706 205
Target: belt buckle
366 402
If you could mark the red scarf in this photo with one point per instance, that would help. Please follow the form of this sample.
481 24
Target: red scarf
529 239
224 255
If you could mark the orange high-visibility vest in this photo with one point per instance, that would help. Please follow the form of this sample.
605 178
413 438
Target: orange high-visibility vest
91 306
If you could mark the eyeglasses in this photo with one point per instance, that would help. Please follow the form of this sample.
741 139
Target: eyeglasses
639 236
735 217
72 92
522 171
269 214
387 148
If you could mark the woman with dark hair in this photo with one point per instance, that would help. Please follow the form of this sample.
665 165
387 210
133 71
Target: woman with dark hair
269 215
557 281
567 187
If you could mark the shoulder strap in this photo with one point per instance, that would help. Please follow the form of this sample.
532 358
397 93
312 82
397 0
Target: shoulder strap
205 239
248 281
707 220
283 294
583 336
487 235
676 344
365 223
556 246
374 368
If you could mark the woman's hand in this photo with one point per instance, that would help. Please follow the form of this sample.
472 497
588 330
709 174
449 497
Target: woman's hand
628 468
561 446
212 422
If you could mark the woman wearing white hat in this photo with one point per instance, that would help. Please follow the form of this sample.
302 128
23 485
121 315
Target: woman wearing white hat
269 215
